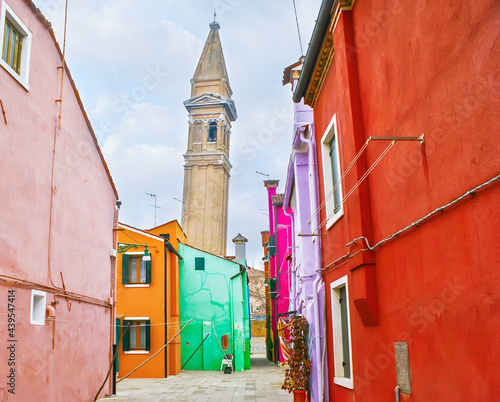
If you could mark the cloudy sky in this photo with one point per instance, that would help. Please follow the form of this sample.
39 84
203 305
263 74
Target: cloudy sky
132 62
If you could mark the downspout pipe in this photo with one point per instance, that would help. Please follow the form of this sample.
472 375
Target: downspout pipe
317 251
397 390
165 300
114 346
231 295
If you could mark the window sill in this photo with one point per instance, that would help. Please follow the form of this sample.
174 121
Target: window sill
137 352
334 219
343 382
137 285
15 75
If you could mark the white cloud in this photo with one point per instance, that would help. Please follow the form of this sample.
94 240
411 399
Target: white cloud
112 47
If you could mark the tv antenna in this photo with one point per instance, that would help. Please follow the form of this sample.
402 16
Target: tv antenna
155 207
263 174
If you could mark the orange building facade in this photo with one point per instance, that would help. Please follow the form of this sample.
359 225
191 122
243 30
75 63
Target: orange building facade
147 308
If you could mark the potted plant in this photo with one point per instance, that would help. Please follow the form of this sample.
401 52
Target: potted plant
299 364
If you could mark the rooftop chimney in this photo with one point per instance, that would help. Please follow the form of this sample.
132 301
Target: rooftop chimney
240 248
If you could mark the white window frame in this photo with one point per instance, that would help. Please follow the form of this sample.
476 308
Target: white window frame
38 307
23 76
331 131
339 379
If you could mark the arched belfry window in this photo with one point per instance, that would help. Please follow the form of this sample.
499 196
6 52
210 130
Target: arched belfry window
212 132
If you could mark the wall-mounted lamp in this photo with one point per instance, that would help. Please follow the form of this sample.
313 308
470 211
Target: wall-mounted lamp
123 247
147 256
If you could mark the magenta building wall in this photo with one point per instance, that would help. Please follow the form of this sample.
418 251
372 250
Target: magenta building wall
279 226
56 232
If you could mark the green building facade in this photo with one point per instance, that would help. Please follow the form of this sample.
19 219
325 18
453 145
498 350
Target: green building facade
213 291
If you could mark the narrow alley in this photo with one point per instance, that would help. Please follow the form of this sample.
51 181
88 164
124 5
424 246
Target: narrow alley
261 383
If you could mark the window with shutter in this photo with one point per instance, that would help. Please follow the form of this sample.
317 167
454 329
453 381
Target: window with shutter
272 288
272 245
125 269
345 333
341 333
126 336
135 270
334 160
148 271
139 335
332 186
118 335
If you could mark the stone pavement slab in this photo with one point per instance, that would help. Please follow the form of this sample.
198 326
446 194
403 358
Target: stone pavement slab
261 383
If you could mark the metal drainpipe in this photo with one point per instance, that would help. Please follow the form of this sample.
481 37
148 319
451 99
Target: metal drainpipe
114 267
165 301
292 276
317 252
397 393
231 297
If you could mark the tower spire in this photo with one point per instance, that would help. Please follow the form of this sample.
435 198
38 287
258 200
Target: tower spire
211 66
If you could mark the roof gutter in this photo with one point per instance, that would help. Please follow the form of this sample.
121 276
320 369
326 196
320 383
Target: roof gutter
318 34
173 250
242 269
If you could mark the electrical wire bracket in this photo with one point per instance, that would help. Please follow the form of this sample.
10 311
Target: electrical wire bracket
387 138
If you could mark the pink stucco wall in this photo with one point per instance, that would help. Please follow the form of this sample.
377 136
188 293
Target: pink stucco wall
82 230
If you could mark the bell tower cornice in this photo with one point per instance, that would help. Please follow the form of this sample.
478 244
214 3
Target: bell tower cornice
208 100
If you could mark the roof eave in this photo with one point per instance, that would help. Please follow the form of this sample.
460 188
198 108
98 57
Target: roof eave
318 34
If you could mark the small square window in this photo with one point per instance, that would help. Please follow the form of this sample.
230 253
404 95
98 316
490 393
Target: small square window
199 264
16 45
38 307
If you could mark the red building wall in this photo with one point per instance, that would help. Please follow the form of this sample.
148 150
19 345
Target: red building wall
403 69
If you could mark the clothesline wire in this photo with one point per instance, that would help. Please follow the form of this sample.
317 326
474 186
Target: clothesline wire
169 324
316 212
358 183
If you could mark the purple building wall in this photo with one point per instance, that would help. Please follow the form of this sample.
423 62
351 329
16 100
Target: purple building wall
307 293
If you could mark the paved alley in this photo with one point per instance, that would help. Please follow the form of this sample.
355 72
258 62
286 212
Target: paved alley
261 383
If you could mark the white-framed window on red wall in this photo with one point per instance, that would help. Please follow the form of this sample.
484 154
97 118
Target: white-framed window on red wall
330 156
341 322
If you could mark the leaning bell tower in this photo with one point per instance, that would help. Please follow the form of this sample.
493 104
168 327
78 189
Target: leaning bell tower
206 169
